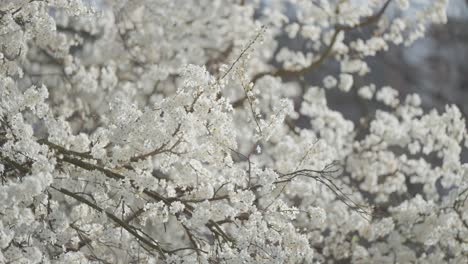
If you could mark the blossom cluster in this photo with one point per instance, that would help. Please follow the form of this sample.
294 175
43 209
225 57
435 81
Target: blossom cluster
172 131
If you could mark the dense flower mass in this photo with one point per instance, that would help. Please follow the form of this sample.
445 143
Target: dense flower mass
174 131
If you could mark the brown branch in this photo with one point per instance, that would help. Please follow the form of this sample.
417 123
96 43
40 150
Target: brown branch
151 153
160 149
369 20
216 229
326 53
15 165
242 53
134 215
186 248
293 73
63 150
192 240
222 197
323 177
92 167
214 62
114 218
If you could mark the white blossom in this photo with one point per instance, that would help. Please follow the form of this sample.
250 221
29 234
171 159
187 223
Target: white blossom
173 132
367 92
388 96
346 82
329 82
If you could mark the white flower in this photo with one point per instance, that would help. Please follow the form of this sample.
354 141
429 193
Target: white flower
388 96
176 207
329 82
352 66
139 142
367 92
318 214
292 30
346 82
403 4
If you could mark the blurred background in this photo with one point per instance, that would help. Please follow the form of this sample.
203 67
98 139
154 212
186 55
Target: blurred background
435 67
